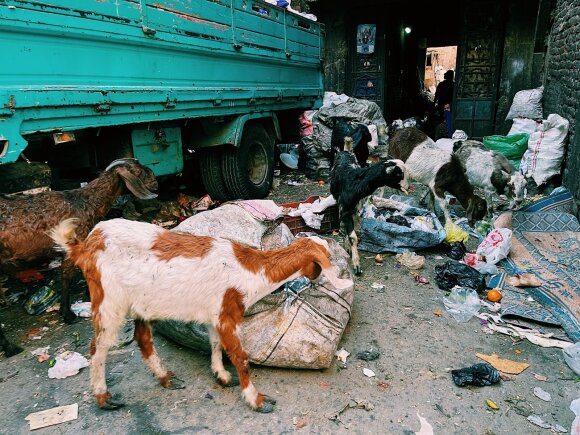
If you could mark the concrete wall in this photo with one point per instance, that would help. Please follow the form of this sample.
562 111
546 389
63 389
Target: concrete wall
562 85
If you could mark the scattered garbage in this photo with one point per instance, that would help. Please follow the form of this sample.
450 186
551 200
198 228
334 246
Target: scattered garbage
453 273
456 251
426 428
342 355
421 279
368 373
537 420
526 279
541 394
575 408
496 245
81 309
494 295
491 404
43 298
572 357
368 355
50 417
502 364
454 233
67 364
463 303
540 377
393 226
411 260
378 287
480 374
29 275
358 404
379 259
41 353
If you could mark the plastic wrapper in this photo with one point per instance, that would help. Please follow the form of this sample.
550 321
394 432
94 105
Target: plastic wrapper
452 273
463 303
481 375
496 245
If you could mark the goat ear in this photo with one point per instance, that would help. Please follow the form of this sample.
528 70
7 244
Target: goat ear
134 184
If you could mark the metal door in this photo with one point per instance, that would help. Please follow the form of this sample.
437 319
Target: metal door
478 69
366 59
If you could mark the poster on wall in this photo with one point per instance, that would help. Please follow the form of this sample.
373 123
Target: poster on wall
365 38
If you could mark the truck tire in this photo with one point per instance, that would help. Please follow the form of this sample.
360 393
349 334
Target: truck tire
210 165
249 169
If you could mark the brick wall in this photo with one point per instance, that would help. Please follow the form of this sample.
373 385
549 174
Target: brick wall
562 87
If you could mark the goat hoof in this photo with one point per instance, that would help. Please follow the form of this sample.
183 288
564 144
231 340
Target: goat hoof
112 403
357 270
266 407
172 383
234 382
69 317
11 350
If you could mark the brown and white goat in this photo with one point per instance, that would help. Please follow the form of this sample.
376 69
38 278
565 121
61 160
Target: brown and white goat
437 168
26 220
142 270
350 185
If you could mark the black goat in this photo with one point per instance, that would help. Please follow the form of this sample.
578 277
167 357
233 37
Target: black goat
350 185
360 135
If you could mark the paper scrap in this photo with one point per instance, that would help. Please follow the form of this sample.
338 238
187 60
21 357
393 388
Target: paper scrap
426 428
342 355
502 364
541 394
368 372
53 416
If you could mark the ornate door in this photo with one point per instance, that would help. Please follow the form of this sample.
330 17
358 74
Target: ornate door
366 75
478 68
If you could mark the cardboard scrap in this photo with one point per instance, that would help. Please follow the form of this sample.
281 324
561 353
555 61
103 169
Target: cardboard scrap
502 364
53 416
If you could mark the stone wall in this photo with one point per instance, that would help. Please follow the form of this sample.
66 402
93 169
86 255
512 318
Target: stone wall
562 86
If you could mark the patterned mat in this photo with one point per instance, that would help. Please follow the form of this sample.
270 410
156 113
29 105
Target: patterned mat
548 245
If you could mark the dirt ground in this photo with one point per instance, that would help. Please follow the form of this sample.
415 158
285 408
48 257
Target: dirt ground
417 349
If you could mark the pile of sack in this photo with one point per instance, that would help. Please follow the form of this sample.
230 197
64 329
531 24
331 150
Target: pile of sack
535 146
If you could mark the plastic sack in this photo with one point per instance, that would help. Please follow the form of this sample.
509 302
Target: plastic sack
545 149
512 147
496 245
481 375
524 125
572 357
67 364
452 273
527 104
454 233
462 303
456 251
379 236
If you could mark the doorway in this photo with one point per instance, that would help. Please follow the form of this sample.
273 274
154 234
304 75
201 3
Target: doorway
438 60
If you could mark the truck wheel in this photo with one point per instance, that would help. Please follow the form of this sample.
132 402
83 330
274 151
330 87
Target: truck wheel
210 165
249 169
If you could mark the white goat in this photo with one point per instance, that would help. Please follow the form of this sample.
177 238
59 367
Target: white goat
150 273
490 171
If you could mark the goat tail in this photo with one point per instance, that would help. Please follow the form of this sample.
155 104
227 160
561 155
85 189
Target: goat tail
64 234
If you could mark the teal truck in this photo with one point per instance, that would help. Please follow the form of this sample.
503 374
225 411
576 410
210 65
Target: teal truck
85 82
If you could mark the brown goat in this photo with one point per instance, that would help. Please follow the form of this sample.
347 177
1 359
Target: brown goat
26 220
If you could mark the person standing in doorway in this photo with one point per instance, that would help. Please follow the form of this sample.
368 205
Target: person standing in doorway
444 98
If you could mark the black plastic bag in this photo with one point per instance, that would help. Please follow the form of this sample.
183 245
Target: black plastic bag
457 251
481 375
453 273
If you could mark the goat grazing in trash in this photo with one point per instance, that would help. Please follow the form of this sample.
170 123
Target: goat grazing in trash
437 168
490 171
350 185
142 270
25 221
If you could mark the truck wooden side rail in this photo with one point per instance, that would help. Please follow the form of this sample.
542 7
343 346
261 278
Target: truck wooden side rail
102 79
